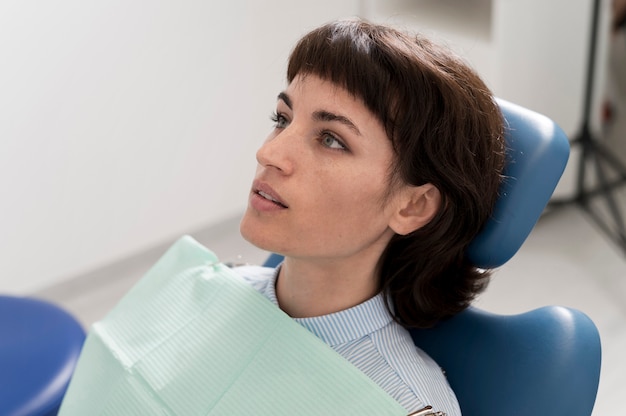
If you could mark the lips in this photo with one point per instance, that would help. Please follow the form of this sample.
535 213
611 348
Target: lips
266 192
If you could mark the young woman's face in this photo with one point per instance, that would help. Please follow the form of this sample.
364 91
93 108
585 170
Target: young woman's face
320 186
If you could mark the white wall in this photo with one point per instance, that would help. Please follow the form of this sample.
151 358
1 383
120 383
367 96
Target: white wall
126 123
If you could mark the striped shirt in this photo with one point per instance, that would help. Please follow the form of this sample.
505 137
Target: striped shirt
368 337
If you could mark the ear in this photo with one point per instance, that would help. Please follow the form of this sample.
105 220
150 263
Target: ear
417 205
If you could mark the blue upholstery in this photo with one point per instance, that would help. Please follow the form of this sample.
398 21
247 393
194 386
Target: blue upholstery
39 348
546 361
537 152
273 260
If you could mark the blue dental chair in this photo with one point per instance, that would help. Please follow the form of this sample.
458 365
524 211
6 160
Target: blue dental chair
39 348
546 361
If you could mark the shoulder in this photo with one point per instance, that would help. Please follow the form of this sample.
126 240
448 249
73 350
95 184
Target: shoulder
421 374
408 374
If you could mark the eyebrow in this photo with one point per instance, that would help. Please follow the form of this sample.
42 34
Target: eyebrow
284 97
322 115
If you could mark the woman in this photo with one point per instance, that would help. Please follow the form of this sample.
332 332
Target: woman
383 165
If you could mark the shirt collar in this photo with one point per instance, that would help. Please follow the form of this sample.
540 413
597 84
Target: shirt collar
343 326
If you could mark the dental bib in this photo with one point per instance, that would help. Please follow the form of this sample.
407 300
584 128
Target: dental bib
192 338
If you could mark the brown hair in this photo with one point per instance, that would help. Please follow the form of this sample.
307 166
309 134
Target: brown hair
445 128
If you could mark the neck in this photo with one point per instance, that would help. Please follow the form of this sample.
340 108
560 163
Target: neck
308 288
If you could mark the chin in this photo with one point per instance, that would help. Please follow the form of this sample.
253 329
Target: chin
255 234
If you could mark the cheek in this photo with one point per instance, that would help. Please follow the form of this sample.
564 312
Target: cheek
357 199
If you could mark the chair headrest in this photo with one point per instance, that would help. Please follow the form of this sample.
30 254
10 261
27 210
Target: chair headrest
537 152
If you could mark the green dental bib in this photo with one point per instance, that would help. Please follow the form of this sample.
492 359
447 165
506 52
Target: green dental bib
192 338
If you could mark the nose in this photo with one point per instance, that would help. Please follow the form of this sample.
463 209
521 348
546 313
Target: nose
278 152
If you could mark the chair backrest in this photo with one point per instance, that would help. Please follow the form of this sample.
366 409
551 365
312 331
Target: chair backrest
546 361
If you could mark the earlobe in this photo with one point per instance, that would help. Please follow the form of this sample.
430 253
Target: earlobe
417 207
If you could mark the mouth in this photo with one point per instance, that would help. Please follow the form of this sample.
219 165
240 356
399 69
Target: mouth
270 198
268 194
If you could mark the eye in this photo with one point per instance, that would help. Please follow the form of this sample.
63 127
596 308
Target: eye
280 121
329 140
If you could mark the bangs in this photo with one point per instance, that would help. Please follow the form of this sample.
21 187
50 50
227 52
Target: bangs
348 54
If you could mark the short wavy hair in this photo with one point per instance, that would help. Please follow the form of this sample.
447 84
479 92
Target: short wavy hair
445 128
